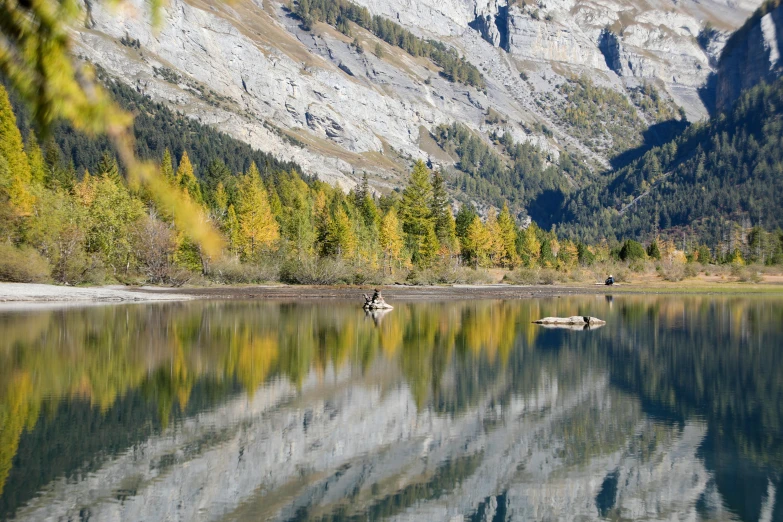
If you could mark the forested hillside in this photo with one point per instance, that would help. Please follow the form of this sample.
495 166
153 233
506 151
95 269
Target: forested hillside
70 215
715 177
156 128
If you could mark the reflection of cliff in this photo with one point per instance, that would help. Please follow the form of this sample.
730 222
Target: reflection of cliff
440 410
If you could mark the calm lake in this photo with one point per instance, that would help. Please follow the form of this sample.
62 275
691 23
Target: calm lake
454 410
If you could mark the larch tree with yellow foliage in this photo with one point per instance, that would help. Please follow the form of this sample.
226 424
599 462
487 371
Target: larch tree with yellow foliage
477 244
391 238
258 228
15 176
508 236
186 179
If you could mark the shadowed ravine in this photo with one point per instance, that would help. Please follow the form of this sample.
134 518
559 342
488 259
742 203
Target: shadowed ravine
267 411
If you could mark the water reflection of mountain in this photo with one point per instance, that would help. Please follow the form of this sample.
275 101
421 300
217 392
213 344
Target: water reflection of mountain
454 409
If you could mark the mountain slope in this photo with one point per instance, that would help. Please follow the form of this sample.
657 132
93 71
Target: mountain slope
729 170
326 100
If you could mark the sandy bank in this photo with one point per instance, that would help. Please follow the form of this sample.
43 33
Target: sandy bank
36 293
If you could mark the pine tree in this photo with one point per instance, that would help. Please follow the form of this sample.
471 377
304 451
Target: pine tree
653 251
415 209
445 227
464 219
428 248
257 226
167 168
15 183
108 167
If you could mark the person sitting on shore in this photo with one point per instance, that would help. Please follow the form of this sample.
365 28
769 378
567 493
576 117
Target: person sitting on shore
609 281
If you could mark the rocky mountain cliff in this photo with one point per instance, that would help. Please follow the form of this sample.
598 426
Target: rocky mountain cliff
751 56
339 105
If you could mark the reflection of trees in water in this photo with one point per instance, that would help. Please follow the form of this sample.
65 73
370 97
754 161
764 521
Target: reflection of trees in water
717 359
682 356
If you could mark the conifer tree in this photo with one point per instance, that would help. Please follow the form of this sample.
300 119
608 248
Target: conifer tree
445 227
416 212
495 247
476 244
528 246
15 183
257 226
232 230
35 157
464 219
85 189
340 237
391 237
508 234
186 179
220 198
108 167
167 167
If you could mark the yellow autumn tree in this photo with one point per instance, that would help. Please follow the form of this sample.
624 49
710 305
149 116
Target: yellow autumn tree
496 249
186 179
15 177
508 236
391 238
258 228
477 244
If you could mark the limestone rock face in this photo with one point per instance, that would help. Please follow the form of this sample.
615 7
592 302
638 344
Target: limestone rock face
750 60
310 97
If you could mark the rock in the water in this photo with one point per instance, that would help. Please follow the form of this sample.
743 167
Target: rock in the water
376 302
576 320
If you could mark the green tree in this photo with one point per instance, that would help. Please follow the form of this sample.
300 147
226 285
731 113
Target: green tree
632 251
340 237
445 226
113 215
35 157
167 167
108 167
416 213
654 251
528 246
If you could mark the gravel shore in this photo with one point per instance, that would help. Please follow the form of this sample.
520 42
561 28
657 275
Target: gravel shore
37 293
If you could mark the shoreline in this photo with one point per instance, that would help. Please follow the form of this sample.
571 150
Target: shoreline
15 294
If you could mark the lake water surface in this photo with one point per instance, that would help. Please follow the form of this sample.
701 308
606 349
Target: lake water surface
454 410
